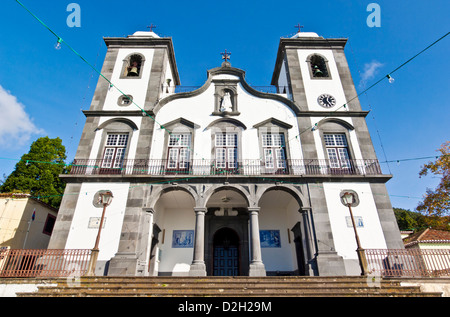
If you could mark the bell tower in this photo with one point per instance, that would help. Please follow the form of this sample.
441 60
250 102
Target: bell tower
119 127
333 130
142 69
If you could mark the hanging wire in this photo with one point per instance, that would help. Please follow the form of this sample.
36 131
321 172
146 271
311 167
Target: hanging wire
371 110
374 84
61 41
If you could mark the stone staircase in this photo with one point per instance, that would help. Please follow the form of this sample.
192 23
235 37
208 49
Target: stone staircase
285 286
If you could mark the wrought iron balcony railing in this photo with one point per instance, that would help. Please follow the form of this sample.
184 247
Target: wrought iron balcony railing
43 262
73 263
408 262
202 167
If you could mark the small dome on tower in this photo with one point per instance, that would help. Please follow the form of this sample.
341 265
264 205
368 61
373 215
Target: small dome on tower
145 34
305 34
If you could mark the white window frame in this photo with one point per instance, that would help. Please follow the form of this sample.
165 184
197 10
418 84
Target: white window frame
115 148
274 149
337 150
178 154
226 145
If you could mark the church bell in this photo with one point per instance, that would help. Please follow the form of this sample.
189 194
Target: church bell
317 71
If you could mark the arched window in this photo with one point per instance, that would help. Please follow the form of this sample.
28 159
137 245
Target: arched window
272 133
115 138
133 65
318 66
335 134
226 144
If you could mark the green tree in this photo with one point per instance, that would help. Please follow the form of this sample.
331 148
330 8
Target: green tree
437 202
405 219
38 172
410 220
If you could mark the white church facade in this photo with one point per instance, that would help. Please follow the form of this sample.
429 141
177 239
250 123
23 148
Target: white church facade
226 179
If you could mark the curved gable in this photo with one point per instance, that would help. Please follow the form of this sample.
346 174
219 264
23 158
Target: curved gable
215 76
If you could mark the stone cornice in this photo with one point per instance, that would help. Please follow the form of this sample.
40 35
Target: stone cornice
333 114
289 179
138 113
116 113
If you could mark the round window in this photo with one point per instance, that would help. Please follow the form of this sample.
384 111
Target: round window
125 101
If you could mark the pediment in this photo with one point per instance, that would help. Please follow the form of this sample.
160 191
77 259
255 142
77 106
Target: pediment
180 121
273 121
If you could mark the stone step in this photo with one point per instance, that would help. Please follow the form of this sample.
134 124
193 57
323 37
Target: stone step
233 280
234 293
226 287
228 283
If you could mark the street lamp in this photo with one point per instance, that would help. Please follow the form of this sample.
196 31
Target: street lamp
349 199
105 199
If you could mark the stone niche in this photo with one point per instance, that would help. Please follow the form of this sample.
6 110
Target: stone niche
225 98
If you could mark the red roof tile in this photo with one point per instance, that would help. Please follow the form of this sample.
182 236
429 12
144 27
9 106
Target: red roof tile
428 236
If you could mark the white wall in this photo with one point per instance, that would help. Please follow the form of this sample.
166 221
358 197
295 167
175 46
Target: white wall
282 219
129 86
371 235
198 109
316 87
132 141
83 237
319 142
175 260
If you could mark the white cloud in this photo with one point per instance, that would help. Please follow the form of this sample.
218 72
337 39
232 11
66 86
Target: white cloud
16 126
370 70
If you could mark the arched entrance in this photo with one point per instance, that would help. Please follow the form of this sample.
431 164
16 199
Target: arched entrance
281 215
226 253
170 249
226 233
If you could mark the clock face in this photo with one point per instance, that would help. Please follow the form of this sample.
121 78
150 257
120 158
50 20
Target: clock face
326 101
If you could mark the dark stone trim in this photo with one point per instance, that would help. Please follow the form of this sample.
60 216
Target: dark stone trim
333 114
182 121
387 217
275 122
341 122
113 113
227 120
126 121
66 212
288 179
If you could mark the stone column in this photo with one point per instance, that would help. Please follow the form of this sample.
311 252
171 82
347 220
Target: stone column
145 242
256 265
309 237
198 267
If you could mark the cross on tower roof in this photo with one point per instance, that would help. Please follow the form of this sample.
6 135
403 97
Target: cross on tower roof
151 27
299 27
226 55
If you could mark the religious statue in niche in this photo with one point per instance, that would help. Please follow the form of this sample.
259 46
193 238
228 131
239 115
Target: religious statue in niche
226 105
225 99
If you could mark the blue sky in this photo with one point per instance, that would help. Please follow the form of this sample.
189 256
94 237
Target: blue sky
42 90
